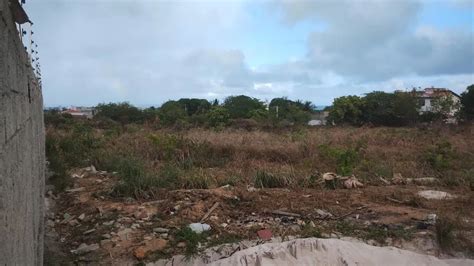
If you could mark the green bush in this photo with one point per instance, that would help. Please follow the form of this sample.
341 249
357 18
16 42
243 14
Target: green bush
68 149
345 159
440 156
135 180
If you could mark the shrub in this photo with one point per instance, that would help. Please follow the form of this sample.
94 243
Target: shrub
267 180
218 116
123 113
135 180
69 149
444 232
440 156
346 159
191 238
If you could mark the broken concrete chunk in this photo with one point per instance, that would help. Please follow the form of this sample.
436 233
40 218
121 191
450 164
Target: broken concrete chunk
435 195
82 216
75 189
84 248
199 227
322 214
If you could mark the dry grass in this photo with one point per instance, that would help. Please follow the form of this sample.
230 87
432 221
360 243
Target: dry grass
297 156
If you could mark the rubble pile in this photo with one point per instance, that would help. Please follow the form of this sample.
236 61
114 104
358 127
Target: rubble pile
92 226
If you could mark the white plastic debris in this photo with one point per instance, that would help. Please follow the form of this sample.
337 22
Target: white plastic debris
199 227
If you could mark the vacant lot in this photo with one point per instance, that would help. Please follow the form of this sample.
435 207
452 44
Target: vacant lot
168 179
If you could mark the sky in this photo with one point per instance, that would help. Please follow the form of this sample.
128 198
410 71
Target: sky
147 52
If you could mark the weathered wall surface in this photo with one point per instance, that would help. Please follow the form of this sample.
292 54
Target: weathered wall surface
22 159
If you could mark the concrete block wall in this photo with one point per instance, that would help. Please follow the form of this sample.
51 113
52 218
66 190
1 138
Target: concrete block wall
22 158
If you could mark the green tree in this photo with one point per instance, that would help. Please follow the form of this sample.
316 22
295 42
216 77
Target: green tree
242 106
445 106
293 111
467 103
172 112
405 108
123 113
218 116
194 106
346 110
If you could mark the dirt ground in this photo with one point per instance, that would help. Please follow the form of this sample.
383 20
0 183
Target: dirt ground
85 225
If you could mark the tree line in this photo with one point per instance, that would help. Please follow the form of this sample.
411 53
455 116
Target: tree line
375 108
398 109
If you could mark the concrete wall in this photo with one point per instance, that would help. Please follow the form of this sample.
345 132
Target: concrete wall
22 159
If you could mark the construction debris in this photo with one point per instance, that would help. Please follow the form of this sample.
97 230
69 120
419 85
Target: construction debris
210 211
283 213
322 214
264 234
435 195
352 182
333 180
199 227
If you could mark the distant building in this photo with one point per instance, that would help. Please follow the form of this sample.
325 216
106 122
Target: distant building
80 112
319 118
429 96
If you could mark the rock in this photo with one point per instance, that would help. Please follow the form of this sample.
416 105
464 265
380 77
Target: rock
251 189
322 214
224 225
435 194
50 223
79 189
106 236
160 230
73 222
164 235
124 233
181 244
106 243
108 223
300 222
199 227
82 216
135 226
89 231
431 219
149 246
140 253
142 214
84 248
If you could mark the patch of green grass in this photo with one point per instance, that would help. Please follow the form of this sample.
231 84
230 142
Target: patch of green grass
444 232
440 156
192 240
224 238
346 159
310 231
264 179
195 180
375 232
